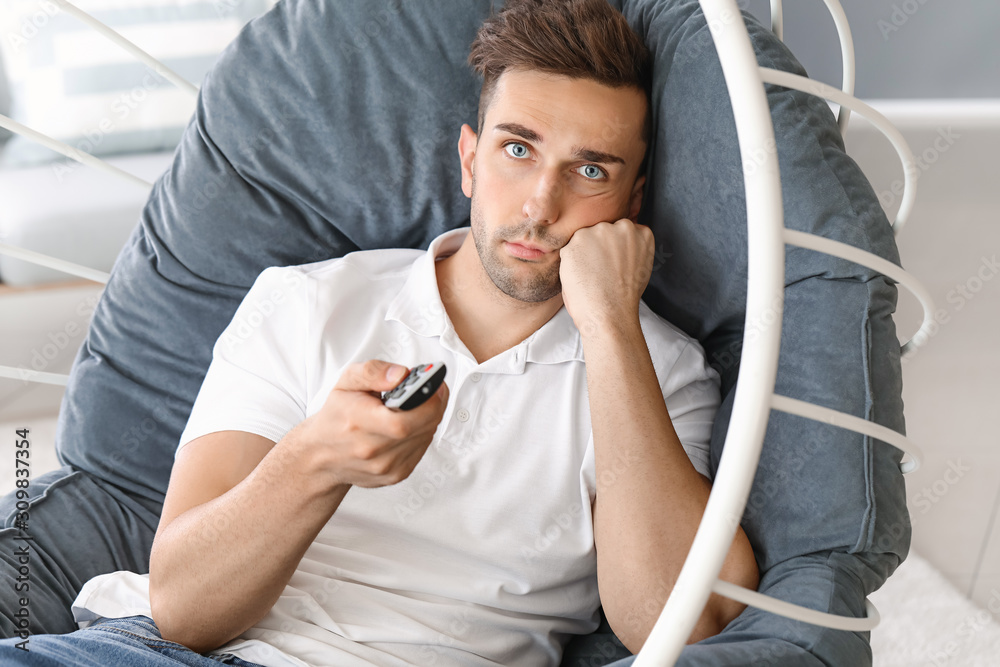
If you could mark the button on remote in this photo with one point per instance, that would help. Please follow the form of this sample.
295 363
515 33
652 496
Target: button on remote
421 383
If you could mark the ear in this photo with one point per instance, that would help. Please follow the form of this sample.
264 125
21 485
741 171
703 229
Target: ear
635 203
467 142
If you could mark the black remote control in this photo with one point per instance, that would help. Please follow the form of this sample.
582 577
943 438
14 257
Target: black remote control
416 387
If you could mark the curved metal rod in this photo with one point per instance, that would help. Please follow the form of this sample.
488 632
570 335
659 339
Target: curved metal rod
30 375
851 423
758 369
847 57
846 48
777 20
876 263
798 612
54 263
148 60
910 169
69 151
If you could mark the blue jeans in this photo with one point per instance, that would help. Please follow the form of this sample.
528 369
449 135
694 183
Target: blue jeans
133 641
86 526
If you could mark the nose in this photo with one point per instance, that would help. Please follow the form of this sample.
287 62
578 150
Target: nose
543 202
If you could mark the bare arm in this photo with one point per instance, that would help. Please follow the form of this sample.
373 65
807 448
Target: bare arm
218 567
241 511
648 511
650 499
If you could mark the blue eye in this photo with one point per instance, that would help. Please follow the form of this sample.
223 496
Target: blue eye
521 146
595 174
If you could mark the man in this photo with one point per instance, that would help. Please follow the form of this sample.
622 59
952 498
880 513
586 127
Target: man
306 523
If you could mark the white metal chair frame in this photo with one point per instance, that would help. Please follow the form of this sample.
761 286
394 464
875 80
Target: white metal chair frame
766 237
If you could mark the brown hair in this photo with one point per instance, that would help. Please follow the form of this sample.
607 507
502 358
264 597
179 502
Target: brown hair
586 39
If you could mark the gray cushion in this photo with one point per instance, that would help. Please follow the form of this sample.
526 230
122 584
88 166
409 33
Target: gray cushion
80 526
330 126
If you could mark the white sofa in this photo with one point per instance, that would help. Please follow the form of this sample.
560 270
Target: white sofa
72 212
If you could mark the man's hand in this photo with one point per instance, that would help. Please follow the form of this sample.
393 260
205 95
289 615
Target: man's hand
604 269
231 492
362 442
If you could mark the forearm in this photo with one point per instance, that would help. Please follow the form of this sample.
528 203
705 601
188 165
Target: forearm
218 568
650 498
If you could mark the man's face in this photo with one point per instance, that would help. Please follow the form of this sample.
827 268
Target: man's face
546 165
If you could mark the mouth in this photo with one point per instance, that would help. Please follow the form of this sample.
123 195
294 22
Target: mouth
525 250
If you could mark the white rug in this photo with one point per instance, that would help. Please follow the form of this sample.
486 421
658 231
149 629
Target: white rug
926 622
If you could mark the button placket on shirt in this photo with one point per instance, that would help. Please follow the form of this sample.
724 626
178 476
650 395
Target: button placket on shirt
463 415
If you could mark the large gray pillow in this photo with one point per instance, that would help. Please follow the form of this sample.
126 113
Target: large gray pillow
329 126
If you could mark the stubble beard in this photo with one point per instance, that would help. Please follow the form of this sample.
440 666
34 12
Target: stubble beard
541 284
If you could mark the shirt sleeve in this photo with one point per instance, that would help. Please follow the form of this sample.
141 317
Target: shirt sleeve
256 380
691 391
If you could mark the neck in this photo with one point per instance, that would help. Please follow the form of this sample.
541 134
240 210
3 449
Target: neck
486 320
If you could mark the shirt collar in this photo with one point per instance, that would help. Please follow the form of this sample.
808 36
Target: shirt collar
418 306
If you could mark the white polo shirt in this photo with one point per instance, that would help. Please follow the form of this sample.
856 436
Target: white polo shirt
485 554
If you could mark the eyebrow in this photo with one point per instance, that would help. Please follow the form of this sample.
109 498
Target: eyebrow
580 153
